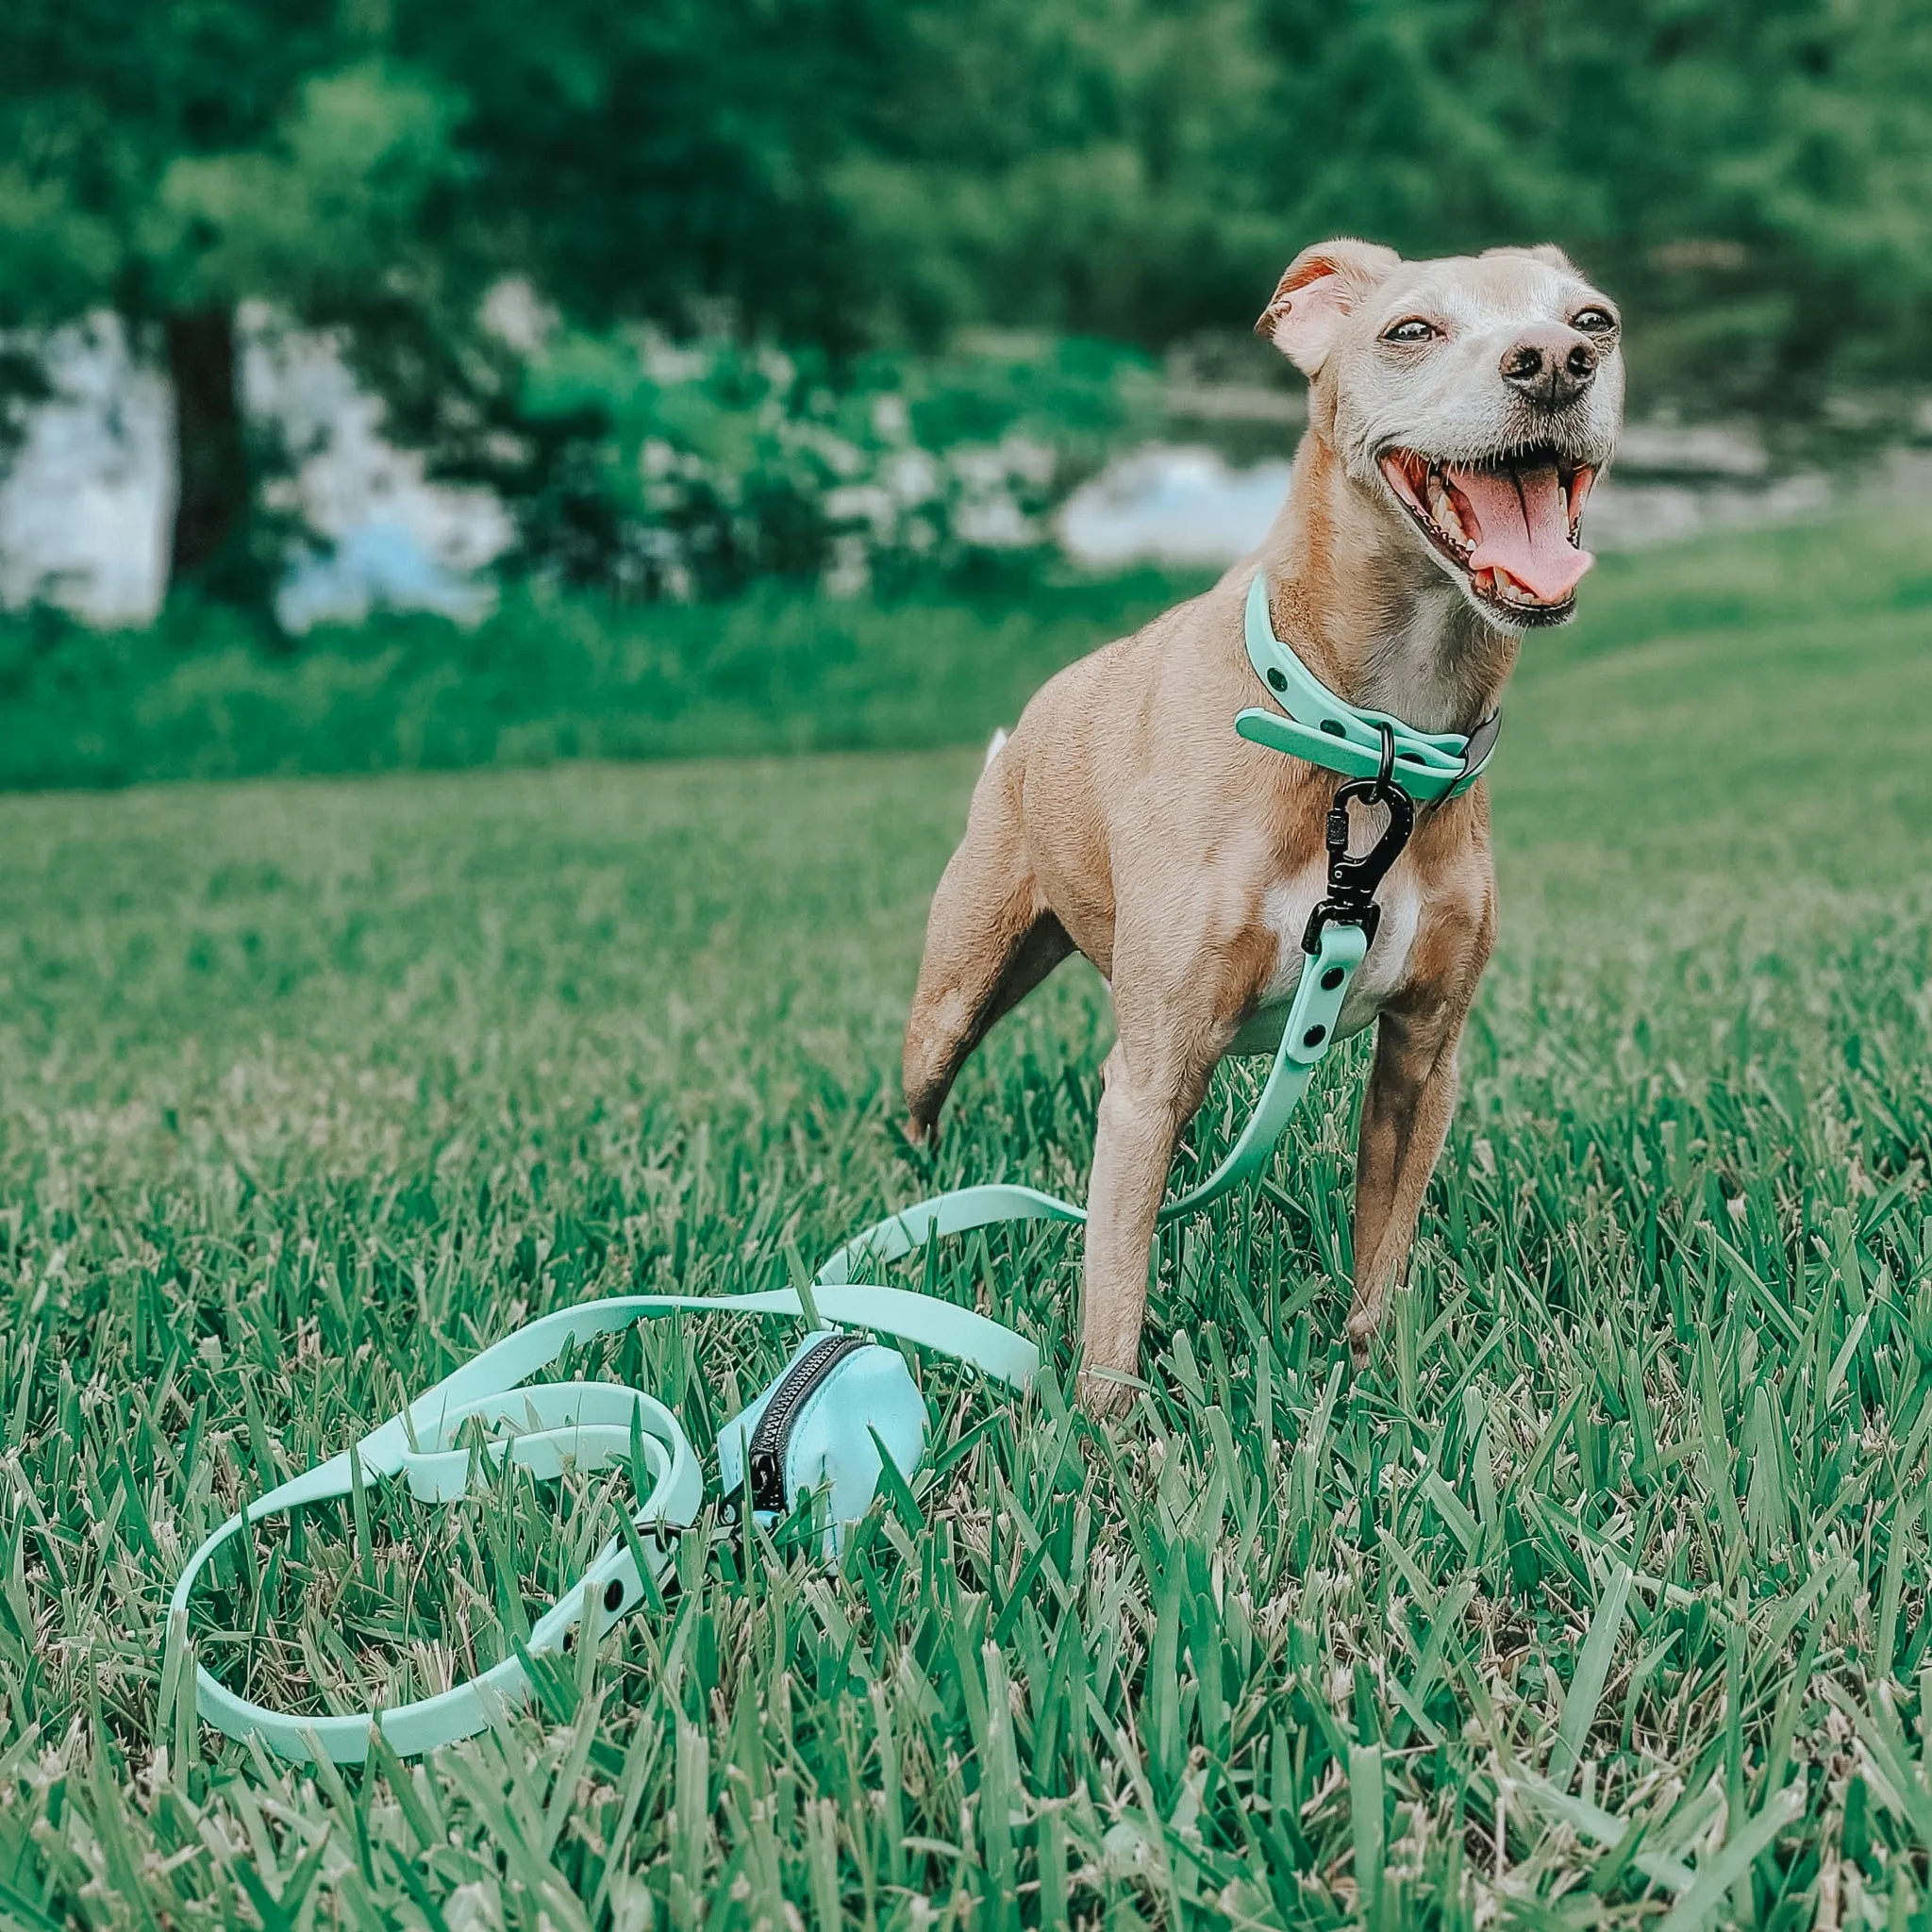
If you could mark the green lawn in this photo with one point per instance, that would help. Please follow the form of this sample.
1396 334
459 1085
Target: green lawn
781 669
1600 1599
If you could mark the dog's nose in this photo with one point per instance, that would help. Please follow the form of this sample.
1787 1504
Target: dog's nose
1551 366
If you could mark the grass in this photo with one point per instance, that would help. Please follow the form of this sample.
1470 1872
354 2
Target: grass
1600 1599
200 696
204 695
779 671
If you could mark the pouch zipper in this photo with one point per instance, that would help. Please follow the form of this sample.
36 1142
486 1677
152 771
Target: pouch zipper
764 1462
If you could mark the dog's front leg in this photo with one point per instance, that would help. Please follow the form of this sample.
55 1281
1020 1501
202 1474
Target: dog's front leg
1149 1096
1405 1111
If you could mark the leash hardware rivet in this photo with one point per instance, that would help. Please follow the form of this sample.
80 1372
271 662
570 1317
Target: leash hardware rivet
613 1594
1314 1036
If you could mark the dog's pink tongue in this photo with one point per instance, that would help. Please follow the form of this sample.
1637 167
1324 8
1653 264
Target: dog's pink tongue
1525 529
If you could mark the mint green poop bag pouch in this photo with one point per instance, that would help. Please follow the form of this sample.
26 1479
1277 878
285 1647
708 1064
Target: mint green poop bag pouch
820 1436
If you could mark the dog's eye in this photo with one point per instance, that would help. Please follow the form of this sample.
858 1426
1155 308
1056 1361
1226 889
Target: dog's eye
1411 329
1593 321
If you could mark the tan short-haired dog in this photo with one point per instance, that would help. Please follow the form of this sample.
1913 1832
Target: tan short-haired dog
1458 411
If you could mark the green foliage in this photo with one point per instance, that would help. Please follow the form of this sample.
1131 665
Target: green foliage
173 163
168 159
1600 1598
328 204
844 177
652 163
1082 166
1752 180
719 463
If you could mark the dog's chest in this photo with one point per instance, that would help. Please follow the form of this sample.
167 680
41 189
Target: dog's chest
1285 908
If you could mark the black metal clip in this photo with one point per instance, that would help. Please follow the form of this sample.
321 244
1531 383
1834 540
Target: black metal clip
1352 882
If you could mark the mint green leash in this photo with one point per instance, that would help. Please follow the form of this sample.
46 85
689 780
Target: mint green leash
586 1424
589 1425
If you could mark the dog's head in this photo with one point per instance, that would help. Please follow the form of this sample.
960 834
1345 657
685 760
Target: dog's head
1474 398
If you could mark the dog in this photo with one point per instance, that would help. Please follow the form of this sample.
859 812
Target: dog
1458 411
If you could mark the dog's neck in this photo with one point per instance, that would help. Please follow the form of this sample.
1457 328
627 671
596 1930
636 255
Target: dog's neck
1353 593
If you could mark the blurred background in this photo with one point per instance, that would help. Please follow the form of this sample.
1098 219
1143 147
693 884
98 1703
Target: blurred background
385 382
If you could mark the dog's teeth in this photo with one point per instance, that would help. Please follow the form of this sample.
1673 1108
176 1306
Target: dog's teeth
1442 507
1500 585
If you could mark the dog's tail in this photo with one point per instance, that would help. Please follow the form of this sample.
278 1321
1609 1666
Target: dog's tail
999 740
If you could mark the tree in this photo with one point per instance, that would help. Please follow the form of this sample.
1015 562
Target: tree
851 176
171 163
675 165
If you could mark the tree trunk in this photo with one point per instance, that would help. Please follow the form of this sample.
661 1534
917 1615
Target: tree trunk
211 507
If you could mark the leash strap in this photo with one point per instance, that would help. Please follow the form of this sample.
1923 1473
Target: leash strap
589 1425
1329 731
592 1424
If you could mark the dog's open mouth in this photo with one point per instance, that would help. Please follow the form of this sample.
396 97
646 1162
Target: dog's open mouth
1511 527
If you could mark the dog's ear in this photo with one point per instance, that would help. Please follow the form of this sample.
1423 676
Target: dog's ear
1315 296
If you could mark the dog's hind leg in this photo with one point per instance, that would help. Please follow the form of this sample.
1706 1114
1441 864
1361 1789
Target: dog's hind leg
990 939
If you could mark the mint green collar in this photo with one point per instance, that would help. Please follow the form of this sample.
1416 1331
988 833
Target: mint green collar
1327 730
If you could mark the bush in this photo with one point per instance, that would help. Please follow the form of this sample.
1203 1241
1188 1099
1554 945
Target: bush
690 470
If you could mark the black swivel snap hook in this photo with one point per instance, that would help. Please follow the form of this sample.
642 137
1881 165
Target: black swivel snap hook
1352 882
